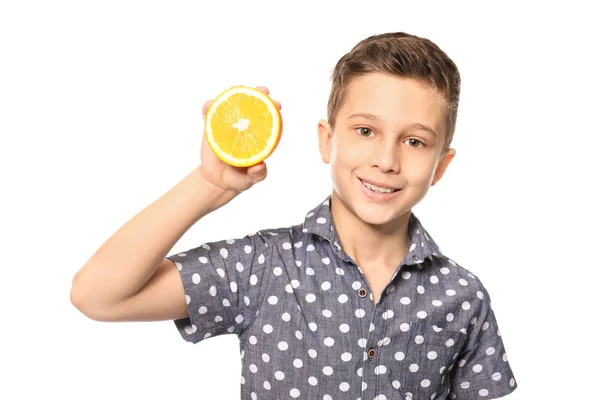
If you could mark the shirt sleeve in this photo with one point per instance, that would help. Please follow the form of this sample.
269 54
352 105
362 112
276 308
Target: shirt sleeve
224 284
482 370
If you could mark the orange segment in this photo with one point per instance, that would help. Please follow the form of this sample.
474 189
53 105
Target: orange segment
243 126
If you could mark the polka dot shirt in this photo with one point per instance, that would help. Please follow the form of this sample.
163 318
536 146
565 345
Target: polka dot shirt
308 329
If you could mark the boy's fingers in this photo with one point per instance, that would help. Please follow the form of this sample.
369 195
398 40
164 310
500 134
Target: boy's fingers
263 89
258 172
278 104
206 106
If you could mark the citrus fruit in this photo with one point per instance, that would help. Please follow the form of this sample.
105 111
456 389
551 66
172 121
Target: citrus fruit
243 126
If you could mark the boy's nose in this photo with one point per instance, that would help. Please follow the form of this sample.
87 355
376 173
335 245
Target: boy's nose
386 157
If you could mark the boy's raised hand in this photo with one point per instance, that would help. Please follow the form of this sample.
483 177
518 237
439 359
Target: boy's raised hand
226 176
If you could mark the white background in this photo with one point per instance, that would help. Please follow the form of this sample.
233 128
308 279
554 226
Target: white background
100 114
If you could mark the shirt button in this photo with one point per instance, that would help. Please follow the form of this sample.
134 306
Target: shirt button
362 292
372 353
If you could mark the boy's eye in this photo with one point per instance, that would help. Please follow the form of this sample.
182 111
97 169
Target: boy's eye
365 132
417 141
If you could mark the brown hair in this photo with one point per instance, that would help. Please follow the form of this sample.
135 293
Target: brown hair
399 54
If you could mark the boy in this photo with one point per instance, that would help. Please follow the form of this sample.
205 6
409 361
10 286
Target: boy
356 302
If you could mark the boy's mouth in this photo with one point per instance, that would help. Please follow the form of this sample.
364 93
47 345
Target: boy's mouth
378 189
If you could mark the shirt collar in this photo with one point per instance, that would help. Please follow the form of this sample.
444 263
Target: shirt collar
319 222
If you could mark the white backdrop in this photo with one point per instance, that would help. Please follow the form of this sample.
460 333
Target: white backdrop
100 114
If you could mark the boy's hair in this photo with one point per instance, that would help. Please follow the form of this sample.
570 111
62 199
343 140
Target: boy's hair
399 54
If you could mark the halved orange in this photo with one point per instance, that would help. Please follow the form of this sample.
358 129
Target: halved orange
243 126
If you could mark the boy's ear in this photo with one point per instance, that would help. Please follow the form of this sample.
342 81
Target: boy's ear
442 165
325 137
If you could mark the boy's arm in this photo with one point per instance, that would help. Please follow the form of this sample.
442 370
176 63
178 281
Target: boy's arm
132 255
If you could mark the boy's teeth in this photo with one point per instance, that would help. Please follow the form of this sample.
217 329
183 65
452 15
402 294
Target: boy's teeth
377 188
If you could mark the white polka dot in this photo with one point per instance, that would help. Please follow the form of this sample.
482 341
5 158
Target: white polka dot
329 341
380 369
432 355
477 368
396 384
239 266
346 356
405 300
490 350
339 271
299 335
202 310
313 381
212 290
252 339
449 317
356 285
344 328
359 313
267 385
466 305
224 253
273 299
434 279
325 260
310 271
413 368
362 342
405 275
327 370
399 356
422 314
247 249
279 375
286 316
298 363
496 376
425 383
465 385
221 272
311 297
203 260
233 286
321 220
295 283
343 298
436 303
230 241
310 247
483 392
463 282
419 339
312 326
444 270
404 327
277 271
253 279
286 245
450 292
382 397
267 328
298 263
326 313
344 386
480 295
196 278
420 289
261 259
388 314
449 342
252 368
239 318
282 345
325 285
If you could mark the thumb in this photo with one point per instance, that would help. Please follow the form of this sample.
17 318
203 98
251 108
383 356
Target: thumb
258 172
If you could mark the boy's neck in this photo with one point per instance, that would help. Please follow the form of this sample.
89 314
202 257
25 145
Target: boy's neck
368 245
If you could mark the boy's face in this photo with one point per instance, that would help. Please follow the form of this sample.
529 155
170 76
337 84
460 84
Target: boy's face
381 147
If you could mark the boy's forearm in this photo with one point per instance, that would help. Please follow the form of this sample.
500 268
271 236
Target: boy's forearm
129 258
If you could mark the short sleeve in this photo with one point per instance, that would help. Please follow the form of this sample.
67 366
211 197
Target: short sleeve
482 370
224 284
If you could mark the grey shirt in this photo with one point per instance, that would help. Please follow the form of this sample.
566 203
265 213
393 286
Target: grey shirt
308 329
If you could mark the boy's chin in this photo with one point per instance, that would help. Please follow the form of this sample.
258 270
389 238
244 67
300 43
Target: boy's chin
376 218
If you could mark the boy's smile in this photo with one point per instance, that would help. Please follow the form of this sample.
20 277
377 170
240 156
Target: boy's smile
388 134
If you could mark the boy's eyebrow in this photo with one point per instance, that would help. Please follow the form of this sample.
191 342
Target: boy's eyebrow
415 125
